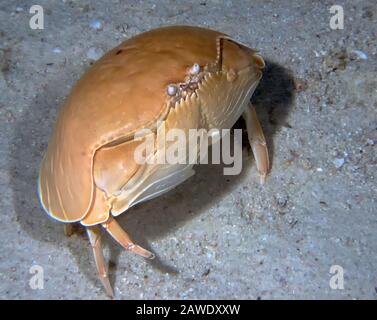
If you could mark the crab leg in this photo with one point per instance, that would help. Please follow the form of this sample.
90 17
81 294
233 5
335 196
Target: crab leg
94 234
257 142
116 231
68 229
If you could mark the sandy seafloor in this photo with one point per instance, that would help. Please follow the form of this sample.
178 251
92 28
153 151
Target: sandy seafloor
215 236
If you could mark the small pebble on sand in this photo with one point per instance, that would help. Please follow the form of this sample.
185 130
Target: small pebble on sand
94 53
338 162
359 54
96 25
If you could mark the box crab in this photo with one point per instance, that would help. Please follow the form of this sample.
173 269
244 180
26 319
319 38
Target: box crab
185 77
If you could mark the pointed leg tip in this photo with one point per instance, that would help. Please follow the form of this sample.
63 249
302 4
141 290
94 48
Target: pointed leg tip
262 179
142 252
152 256
124 240
110 295
68 230
147 254
108 288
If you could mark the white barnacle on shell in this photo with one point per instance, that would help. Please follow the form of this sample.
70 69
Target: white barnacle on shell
172 89
195 69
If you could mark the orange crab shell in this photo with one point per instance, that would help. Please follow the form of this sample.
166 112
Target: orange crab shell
121 93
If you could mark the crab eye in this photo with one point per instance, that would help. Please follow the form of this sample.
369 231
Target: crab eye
195 69
172 89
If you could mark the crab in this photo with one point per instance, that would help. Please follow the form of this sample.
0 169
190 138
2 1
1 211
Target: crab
180 76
